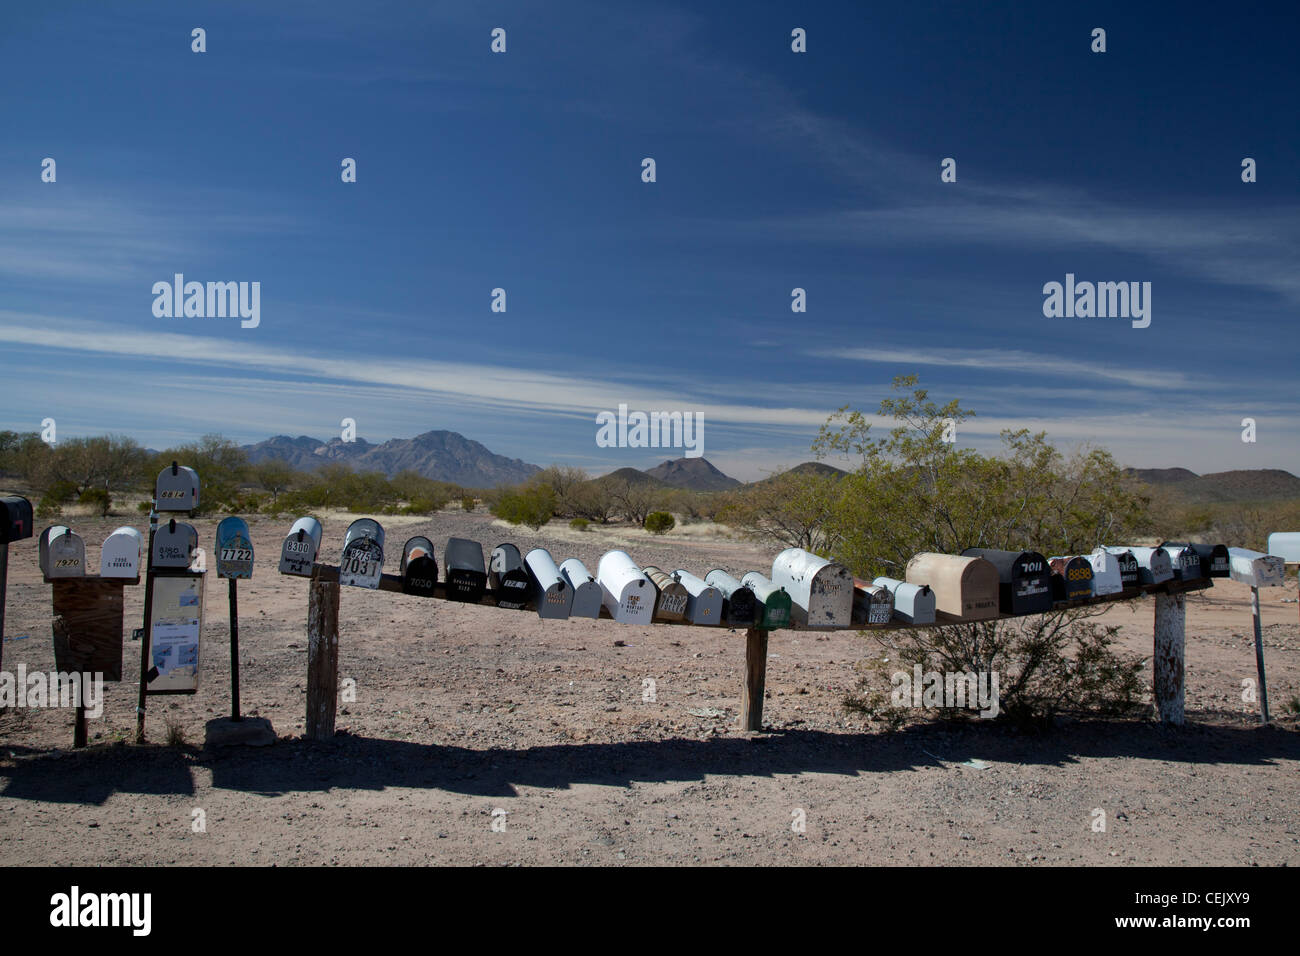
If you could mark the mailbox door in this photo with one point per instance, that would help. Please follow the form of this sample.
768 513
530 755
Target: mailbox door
508 577
466 571
773 601
1215 561
421 576
15 519
1106 578
176 490
67 556
1185 561
670 604
234 549
703 601
365 528
1071 579
634 603
415 548
881 610
739 605
587 594
362 563
174 544
1130 572
298 553
913 603
120 556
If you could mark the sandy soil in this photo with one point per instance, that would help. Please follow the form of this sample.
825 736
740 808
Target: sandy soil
487 736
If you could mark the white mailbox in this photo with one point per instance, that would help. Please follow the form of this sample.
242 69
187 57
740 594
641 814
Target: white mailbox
703 600
821 592
1286 545
965 588
61 553
627 592
1154 566
587 593
1106 578
913 603
177 489
1257 570
120 556
362 562
670 602
301 544
174 544
1130 573
551 591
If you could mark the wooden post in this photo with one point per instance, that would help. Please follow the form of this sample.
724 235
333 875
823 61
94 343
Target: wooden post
234 652
1259 656
322 658
1168 677
751 701
4 594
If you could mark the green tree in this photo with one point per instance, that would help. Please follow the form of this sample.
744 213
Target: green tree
532 505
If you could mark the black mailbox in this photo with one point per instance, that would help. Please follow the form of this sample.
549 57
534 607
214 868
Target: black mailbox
1186 561
1071 579
739 605
509 577
466 573
1130 576
1024 579
1214 557
16 520
419 568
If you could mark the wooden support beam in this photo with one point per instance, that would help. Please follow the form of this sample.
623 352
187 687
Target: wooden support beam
322 658
751 701
1168 679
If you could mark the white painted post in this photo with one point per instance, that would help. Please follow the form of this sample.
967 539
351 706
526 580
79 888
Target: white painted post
1259 656
1168 677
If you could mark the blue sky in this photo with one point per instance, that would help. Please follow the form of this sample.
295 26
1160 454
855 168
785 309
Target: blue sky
775 170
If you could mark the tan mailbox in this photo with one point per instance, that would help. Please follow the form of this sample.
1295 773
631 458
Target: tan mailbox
671 603
821 592
965 589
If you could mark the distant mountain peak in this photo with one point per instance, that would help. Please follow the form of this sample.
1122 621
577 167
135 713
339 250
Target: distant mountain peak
695 474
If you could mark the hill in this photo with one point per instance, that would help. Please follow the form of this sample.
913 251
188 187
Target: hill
1260 484
695 474
440 455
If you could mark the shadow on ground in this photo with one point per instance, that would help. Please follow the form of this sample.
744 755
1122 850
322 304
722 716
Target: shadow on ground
91 776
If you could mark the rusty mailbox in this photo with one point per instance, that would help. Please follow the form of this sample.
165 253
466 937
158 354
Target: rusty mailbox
1071 578
670 604
551 592
61 553
466 571
587 594
234 549
703 600
1154 566
301 545
120 556
362 562
626 591
1106 575
739 605
774 603
508 577
913 603
821 592
174 544
15 519
1257 570
419 568
965 588
177 489
1024 579
873 605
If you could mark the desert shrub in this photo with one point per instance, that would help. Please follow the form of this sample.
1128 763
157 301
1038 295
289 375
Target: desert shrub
467 503
530 505
659 522
579 524
97 498
912 491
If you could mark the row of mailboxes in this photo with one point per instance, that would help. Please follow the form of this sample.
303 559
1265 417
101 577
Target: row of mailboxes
1198 560
61 553
1153 564
966 587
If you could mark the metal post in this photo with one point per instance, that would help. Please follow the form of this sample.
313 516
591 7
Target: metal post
4 594
144 635
234 652
1259 656
1169 666
751 701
